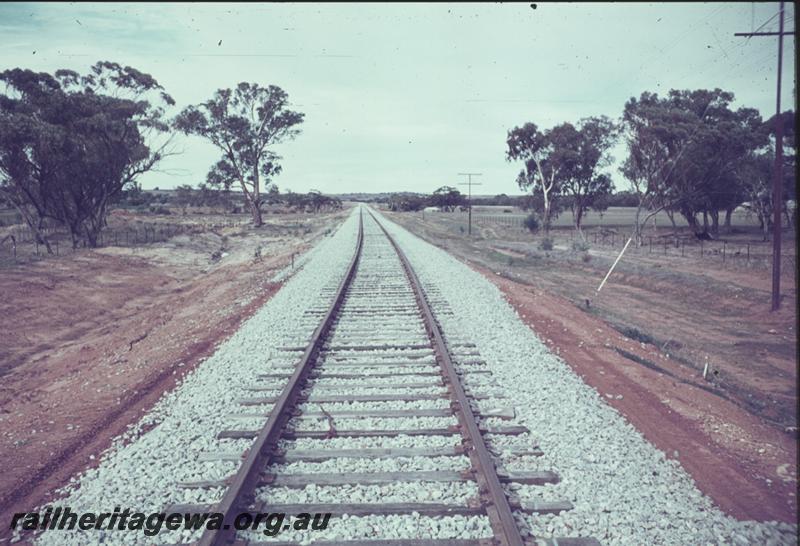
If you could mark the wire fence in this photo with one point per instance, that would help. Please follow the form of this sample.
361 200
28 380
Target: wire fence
732 254
508 220
727 253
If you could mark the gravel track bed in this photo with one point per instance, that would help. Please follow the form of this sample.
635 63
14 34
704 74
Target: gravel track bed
376 406
625 490
245 423
142 468
366 369
396 464
397 389
378 423
448 492
381 356
366 443
387 381
388 334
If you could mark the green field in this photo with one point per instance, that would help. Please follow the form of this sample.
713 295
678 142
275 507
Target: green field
613 217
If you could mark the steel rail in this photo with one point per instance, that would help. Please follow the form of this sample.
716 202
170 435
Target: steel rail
262 450
492 493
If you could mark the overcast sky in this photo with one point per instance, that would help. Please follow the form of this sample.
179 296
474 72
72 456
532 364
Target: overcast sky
406 96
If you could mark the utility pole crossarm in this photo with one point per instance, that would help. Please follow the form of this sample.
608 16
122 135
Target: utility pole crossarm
469 183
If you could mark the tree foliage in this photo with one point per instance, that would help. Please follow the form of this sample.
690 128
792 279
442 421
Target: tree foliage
313 201
687 153
244 123
544 155
447 198
583 154
407 202
70 143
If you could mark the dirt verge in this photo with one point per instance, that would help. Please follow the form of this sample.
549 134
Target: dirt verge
93 340
733 431
748 468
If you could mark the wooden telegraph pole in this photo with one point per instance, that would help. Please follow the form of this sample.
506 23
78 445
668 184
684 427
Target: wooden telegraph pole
777 176
469 183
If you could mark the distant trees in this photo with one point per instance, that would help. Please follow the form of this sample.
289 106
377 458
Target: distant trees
755 176
584 155
70 143
565 160
209 196
317 202
313 201
689 153
184 196
756 180
405 202
540 157
447 199
244 123
789 131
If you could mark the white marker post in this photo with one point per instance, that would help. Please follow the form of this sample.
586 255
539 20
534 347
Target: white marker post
614 264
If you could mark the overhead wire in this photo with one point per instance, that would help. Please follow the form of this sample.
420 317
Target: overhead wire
663 51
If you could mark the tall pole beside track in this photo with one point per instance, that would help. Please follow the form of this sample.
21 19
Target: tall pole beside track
777 176
469 183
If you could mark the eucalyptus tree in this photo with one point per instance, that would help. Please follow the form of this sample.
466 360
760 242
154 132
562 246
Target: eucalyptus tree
684 152
70 144
541 160
244 123
447 198
583 153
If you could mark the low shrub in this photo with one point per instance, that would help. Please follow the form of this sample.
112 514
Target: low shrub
580 245
532 223
546 244
633 333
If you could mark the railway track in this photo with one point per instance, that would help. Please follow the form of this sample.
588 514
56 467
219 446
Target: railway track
423 411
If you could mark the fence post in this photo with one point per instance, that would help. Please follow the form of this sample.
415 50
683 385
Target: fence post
723 251
57 254
748 253
683 244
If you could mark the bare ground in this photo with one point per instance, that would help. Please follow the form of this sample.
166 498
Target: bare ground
734 432
92 340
